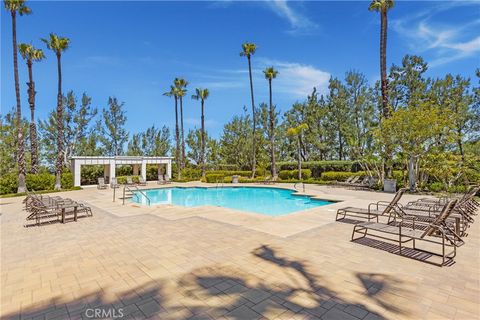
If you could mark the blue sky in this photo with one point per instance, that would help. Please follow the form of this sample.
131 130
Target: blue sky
133 50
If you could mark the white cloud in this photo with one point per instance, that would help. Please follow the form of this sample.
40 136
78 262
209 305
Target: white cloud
298 21
297 79
445 43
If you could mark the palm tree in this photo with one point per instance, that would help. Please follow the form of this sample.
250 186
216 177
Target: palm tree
58 45
174 93
270 74
30 54
296 133
18 6
202 95
181 84
382 6
248 49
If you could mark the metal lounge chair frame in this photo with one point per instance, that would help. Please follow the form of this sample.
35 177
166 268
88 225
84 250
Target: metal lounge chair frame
435 230
161 179
141 181
373 211
101 184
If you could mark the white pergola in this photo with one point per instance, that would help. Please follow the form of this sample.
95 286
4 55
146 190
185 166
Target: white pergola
110 164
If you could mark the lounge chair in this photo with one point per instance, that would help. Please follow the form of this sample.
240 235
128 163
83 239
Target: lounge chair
437 232
101 184
130 181
374 209
142 181
429 202
365 183
167 179
462 216
48 210
270 179
161 179
347 183
113 183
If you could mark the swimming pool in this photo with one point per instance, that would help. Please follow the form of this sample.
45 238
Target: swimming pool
267 201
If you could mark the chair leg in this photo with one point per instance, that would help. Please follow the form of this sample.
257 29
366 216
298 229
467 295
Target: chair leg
400 243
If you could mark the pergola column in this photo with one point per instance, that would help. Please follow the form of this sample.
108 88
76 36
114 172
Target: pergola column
144 170
113 167
76 173
169 168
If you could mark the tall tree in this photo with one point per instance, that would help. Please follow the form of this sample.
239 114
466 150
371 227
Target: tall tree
8 138
174 93
181 85
296 133
202 95
112 128
30 54
58 45
18 6
270 74
79 134
382 6
152 142
248 49
235 143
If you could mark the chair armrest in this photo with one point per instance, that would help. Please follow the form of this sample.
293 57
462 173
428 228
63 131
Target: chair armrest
372 204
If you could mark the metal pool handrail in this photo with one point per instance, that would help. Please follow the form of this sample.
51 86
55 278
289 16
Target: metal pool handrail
295 185
136 189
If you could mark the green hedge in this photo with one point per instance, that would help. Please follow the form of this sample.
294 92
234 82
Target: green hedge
213 178
123 179
191 174
242 173
339 176
317 167
34 182
222 167
293 174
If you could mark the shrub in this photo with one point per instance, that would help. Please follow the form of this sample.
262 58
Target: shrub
90 174
250 180
399 176
191 174
152 172
123 179
339 176
213 178
436 186
40 181
9 183
126 170
457 189
67 180
242 173
317 167
293 174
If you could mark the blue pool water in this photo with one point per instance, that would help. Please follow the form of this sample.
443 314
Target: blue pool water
268 201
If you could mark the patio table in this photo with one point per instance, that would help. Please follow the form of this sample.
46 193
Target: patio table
73 205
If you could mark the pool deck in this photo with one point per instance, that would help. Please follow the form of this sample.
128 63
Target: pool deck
170 262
